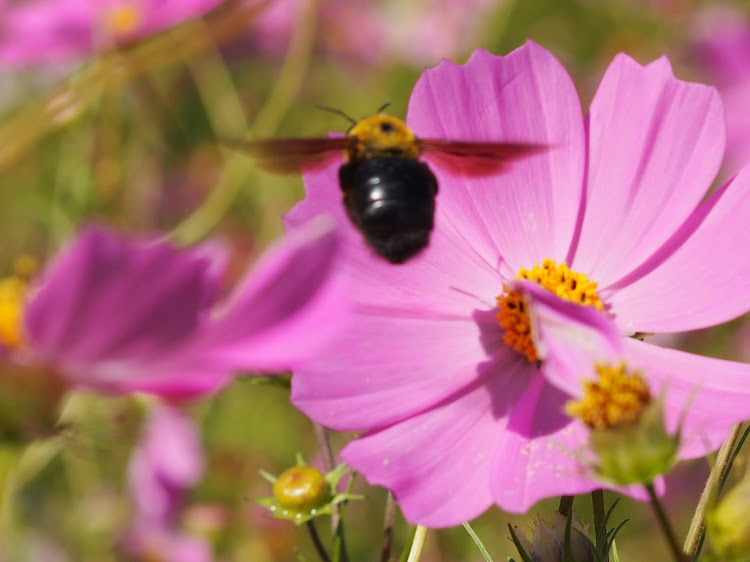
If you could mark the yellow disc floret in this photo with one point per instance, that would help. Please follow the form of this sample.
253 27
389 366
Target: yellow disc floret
123 19
619 397
381 135
513 315
12 294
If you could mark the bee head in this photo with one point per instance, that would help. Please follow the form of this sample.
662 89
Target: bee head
381 135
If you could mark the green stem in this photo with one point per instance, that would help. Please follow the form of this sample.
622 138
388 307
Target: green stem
417 544
478 542
600 522
566 504
666 527
238 166
710 491
317 542
21 131
388 519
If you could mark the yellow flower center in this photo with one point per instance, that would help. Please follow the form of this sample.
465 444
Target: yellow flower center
618 398
123 20
513 315
12 294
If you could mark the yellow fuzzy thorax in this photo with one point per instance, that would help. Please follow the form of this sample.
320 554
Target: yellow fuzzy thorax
381 135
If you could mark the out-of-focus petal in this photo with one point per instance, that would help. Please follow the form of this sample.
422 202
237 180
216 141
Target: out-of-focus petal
708 395
530 209
698 278
655 146
108 299
168 461
288 309
437 463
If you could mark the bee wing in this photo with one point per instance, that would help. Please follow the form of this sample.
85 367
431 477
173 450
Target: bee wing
288 155
477 158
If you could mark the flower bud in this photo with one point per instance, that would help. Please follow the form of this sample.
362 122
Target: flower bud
548 541
728 524
302 492
301 488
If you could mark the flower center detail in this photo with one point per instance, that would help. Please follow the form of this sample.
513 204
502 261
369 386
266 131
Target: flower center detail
513 316
12 294
123 20
618 398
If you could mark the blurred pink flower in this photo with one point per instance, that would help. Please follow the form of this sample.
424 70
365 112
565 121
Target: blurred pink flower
418 32
123 315
456 419
723 51
49 31
166 464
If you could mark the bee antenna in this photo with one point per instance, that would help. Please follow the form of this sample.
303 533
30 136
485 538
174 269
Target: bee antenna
382 107
337 112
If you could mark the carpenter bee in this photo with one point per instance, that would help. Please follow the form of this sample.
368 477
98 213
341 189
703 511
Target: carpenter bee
388 192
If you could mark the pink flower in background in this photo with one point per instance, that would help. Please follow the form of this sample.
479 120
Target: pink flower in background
124 315
166 464
426 31
455 418
723 51
418 32
49 31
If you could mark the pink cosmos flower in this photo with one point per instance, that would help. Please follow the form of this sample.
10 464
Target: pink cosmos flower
47 31
164 466
723 52
123 315
455 418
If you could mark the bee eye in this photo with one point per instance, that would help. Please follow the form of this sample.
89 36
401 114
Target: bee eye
386 127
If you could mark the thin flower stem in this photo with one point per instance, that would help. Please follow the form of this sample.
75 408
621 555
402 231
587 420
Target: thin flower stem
417 544
326 452
666 527
478 542
600 522
329 462
69 100
710 490
238 167
390 516
317 542
566 504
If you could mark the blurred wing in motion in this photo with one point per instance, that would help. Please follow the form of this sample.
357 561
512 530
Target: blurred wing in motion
287 156
477 158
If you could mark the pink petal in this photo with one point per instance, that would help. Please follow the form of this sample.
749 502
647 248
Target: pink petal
655 146
529 211
536 457
699 278
108 299
288 309
437 463
710 395
362 383
167 462
542 453
569 338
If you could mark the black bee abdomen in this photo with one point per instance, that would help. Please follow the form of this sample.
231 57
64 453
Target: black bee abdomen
391 200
